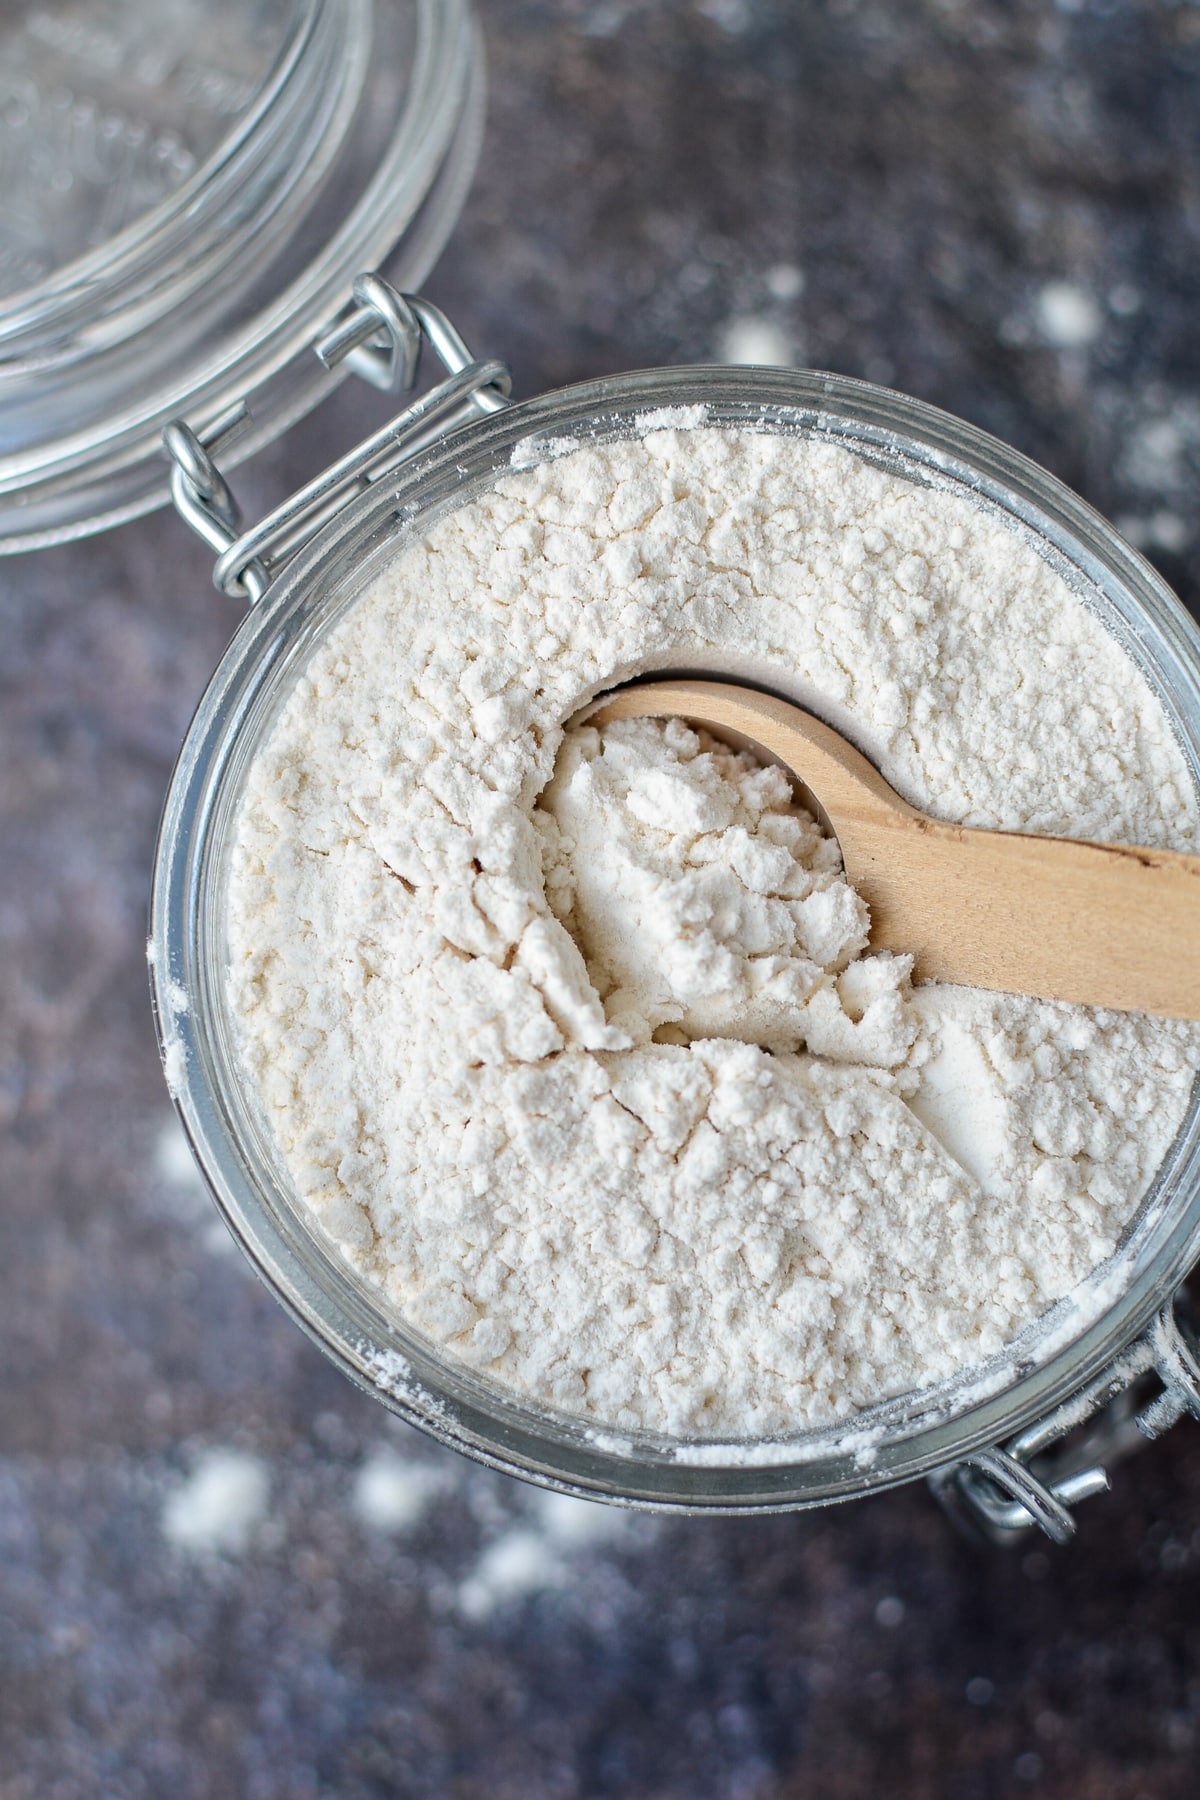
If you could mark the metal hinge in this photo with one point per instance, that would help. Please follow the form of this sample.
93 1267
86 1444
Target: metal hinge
1042 1473
380 339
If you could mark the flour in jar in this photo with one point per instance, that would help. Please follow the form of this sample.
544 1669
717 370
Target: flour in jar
571 1039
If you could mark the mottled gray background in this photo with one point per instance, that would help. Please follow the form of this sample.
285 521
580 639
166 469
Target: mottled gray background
222 1572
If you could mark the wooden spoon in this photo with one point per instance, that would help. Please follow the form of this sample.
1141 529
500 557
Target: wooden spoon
1098 924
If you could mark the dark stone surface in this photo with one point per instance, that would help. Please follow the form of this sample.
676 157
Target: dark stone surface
929 169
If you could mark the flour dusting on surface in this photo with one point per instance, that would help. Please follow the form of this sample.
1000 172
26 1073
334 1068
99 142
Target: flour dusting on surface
219 1506
570 1038
393 1493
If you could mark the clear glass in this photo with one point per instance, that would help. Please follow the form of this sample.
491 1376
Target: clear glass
116 121
893 1442
351 143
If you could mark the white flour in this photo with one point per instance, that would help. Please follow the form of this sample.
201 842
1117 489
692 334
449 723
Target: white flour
588 1071
220 1505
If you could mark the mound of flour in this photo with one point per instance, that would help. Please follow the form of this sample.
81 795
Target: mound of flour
572 1042
703 898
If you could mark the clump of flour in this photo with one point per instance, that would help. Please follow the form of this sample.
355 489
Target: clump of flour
704 899
572 1043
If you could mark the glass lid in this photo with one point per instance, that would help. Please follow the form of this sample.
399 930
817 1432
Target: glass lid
107 109
189 189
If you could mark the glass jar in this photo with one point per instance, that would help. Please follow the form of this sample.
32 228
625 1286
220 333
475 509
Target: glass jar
992 1439
172 171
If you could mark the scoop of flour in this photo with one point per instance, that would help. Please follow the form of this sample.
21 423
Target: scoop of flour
707 903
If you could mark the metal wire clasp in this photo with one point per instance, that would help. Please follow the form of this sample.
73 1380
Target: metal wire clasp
380 340
1044 1471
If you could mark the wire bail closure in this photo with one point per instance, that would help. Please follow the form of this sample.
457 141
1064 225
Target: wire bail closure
1038 1476
380 340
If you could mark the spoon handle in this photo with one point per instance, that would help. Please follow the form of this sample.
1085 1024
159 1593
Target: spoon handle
1058 918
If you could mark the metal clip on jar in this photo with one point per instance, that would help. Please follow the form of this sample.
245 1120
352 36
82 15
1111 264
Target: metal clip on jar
1016 1443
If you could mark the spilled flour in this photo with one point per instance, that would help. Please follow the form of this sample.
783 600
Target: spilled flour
572 1042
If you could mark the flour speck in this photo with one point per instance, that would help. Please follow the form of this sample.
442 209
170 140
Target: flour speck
520 1563
784 281
219 1505
1068 316
392 1493
750 339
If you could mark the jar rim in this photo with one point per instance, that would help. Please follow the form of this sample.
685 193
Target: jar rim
882 1446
